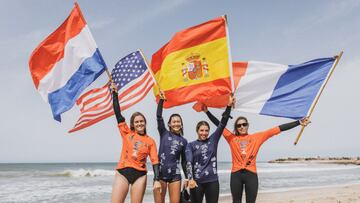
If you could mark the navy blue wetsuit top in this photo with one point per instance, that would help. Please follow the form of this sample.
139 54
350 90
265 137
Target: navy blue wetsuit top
201 155
172 148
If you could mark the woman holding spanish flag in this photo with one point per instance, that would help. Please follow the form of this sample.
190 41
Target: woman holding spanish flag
201 157
171 150
137 146
244 149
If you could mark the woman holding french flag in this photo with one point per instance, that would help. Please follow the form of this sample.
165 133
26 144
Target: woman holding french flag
244 149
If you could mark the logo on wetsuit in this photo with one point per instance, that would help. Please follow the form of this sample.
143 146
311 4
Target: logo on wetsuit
136 148
204 150
243 145
174 146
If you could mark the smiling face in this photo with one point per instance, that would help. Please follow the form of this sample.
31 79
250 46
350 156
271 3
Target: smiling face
203 132
175 124
242 127
138 123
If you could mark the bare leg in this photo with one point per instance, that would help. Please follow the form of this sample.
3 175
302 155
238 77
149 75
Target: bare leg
120 188
138 190
160 198
174 191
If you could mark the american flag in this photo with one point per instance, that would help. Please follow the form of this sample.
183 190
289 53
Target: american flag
133 80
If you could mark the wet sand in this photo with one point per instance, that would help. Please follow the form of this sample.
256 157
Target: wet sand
337 194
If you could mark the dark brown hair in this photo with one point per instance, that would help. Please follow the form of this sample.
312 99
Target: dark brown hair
132 127
239 118
201 123
182 126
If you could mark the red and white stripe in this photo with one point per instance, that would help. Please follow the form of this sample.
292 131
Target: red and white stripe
96 104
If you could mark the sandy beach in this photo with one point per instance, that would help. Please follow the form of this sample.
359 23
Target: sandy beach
343 194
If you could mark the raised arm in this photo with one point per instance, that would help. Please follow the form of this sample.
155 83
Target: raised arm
212 118
219 130
116 105
159 118
225 118
287 126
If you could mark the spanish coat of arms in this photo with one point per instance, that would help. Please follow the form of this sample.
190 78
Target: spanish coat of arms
195 67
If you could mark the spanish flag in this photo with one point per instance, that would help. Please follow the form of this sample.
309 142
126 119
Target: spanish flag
194 65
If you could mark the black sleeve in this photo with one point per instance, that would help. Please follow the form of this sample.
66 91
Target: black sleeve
116 107
212 118
156 172
226 115
159 118
159 109
288 126
219 130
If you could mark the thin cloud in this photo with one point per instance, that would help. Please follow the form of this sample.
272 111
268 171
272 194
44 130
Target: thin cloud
18 46
100 24
329 13
162 9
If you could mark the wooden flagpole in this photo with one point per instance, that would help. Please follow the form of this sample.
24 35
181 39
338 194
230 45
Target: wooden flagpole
229 54
151 73
338 57
110 77
108 74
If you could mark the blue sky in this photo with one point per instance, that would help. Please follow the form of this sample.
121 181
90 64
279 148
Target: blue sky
279 31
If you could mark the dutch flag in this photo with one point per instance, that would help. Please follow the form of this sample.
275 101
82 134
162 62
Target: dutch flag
65 63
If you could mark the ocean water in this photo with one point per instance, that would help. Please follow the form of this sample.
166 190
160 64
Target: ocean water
92 182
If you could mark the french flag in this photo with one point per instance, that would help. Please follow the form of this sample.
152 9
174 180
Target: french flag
271 89
65 63
280 90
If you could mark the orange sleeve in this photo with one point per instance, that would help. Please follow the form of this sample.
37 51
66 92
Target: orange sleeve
227 134
124 129
263 136
153 153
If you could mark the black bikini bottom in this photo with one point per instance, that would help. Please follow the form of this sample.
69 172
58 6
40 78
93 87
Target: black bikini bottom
131 174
